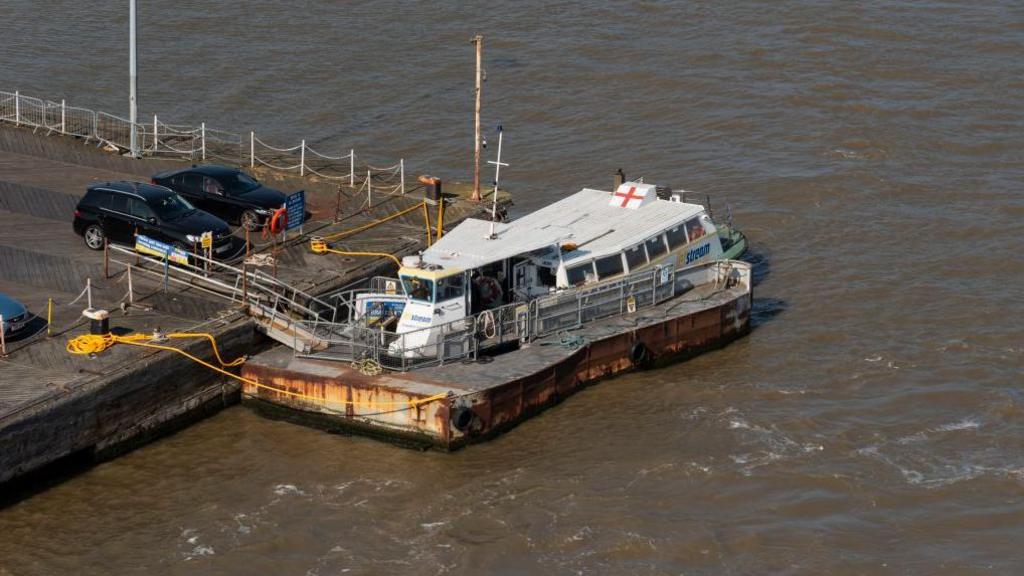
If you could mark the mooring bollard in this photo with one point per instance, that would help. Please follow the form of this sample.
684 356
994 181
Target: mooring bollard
99 321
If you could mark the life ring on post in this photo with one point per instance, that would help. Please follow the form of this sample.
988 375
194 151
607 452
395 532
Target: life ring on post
278 221
490 291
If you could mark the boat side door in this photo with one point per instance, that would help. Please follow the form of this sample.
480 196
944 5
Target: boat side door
452 298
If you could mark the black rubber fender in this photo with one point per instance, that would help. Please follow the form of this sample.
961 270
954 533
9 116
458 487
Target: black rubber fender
462 417
639 355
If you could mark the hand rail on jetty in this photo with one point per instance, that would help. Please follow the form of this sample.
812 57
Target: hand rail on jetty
197 143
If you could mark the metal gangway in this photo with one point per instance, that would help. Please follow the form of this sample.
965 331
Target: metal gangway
280 311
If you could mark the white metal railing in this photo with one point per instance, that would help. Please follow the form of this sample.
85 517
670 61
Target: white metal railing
156 138
350 339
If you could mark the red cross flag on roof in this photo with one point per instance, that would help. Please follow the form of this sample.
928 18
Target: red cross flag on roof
633 195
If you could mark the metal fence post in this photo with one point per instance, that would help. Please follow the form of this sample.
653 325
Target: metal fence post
3 343
369 188
252 149
203 135
63 126
352 168
17 109
302 158
156 131
401 168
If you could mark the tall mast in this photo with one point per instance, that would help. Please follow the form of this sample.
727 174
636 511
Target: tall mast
479 41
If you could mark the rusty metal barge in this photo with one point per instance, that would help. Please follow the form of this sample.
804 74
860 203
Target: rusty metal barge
495 322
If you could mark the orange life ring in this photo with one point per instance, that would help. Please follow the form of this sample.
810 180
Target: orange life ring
489 289
278 221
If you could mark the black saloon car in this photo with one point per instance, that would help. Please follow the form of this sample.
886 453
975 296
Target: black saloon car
227 192
120 210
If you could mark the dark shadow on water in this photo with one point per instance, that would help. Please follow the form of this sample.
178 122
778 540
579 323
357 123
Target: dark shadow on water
762 263
765 309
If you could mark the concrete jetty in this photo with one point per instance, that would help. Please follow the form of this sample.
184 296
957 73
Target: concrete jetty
57 408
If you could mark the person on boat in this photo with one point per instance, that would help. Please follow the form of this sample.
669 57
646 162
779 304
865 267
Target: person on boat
419 290
696 230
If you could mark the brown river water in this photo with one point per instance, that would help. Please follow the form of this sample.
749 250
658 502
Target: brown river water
871 423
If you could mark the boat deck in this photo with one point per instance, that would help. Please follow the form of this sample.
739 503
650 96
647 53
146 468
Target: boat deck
504 388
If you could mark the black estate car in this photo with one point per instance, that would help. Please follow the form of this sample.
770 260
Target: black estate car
227 192
120 210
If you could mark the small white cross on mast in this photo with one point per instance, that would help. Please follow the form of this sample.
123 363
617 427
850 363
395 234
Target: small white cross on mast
497 171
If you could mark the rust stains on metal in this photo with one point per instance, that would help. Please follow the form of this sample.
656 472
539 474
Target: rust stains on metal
484 410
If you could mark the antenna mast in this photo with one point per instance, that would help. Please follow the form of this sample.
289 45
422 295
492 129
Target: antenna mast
497 171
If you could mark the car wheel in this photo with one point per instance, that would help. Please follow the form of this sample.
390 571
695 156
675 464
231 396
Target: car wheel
249 220
94 236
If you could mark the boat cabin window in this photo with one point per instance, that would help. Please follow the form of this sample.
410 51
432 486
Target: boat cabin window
655 247
580 274
419 288
609 265
676 237
451 287
694 229
635 257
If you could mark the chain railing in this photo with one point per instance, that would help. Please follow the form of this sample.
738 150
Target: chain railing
199 143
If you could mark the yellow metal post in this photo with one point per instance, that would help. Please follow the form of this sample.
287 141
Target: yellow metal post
49 316
440 218
426 221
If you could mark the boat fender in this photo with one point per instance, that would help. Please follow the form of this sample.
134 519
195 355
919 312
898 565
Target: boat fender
278 221
639 354
462 417
489 289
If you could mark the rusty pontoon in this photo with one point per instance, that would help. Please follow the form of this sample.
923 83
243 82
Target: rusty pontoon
489 372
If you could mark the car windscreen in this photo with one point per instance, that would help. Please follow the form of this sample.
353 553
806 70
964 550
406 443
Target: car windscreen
240 183
171 206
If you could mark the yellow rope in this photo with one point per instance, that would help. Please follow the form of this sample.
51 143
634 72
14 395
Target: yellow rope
319 246
349 232
94 344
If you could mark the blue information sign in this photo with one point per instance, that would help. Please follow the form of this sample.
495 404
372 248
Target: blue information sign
147 245
295 206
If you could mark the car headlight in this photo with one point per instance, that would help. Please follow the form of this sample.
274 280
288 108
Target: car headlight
191 238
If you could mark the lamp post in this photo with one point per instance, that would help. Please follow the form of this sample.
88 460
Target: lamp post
132 75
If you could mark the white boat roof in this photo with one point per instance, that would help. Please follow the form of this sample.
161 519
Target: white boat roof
585 218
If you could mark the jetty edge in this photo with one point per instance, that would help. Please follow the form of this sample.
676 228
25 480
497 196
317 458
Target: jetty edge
59 412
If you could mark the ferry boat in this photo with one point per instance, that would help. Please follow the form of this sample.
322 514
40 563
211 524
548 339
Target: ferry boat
497 320
588 238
